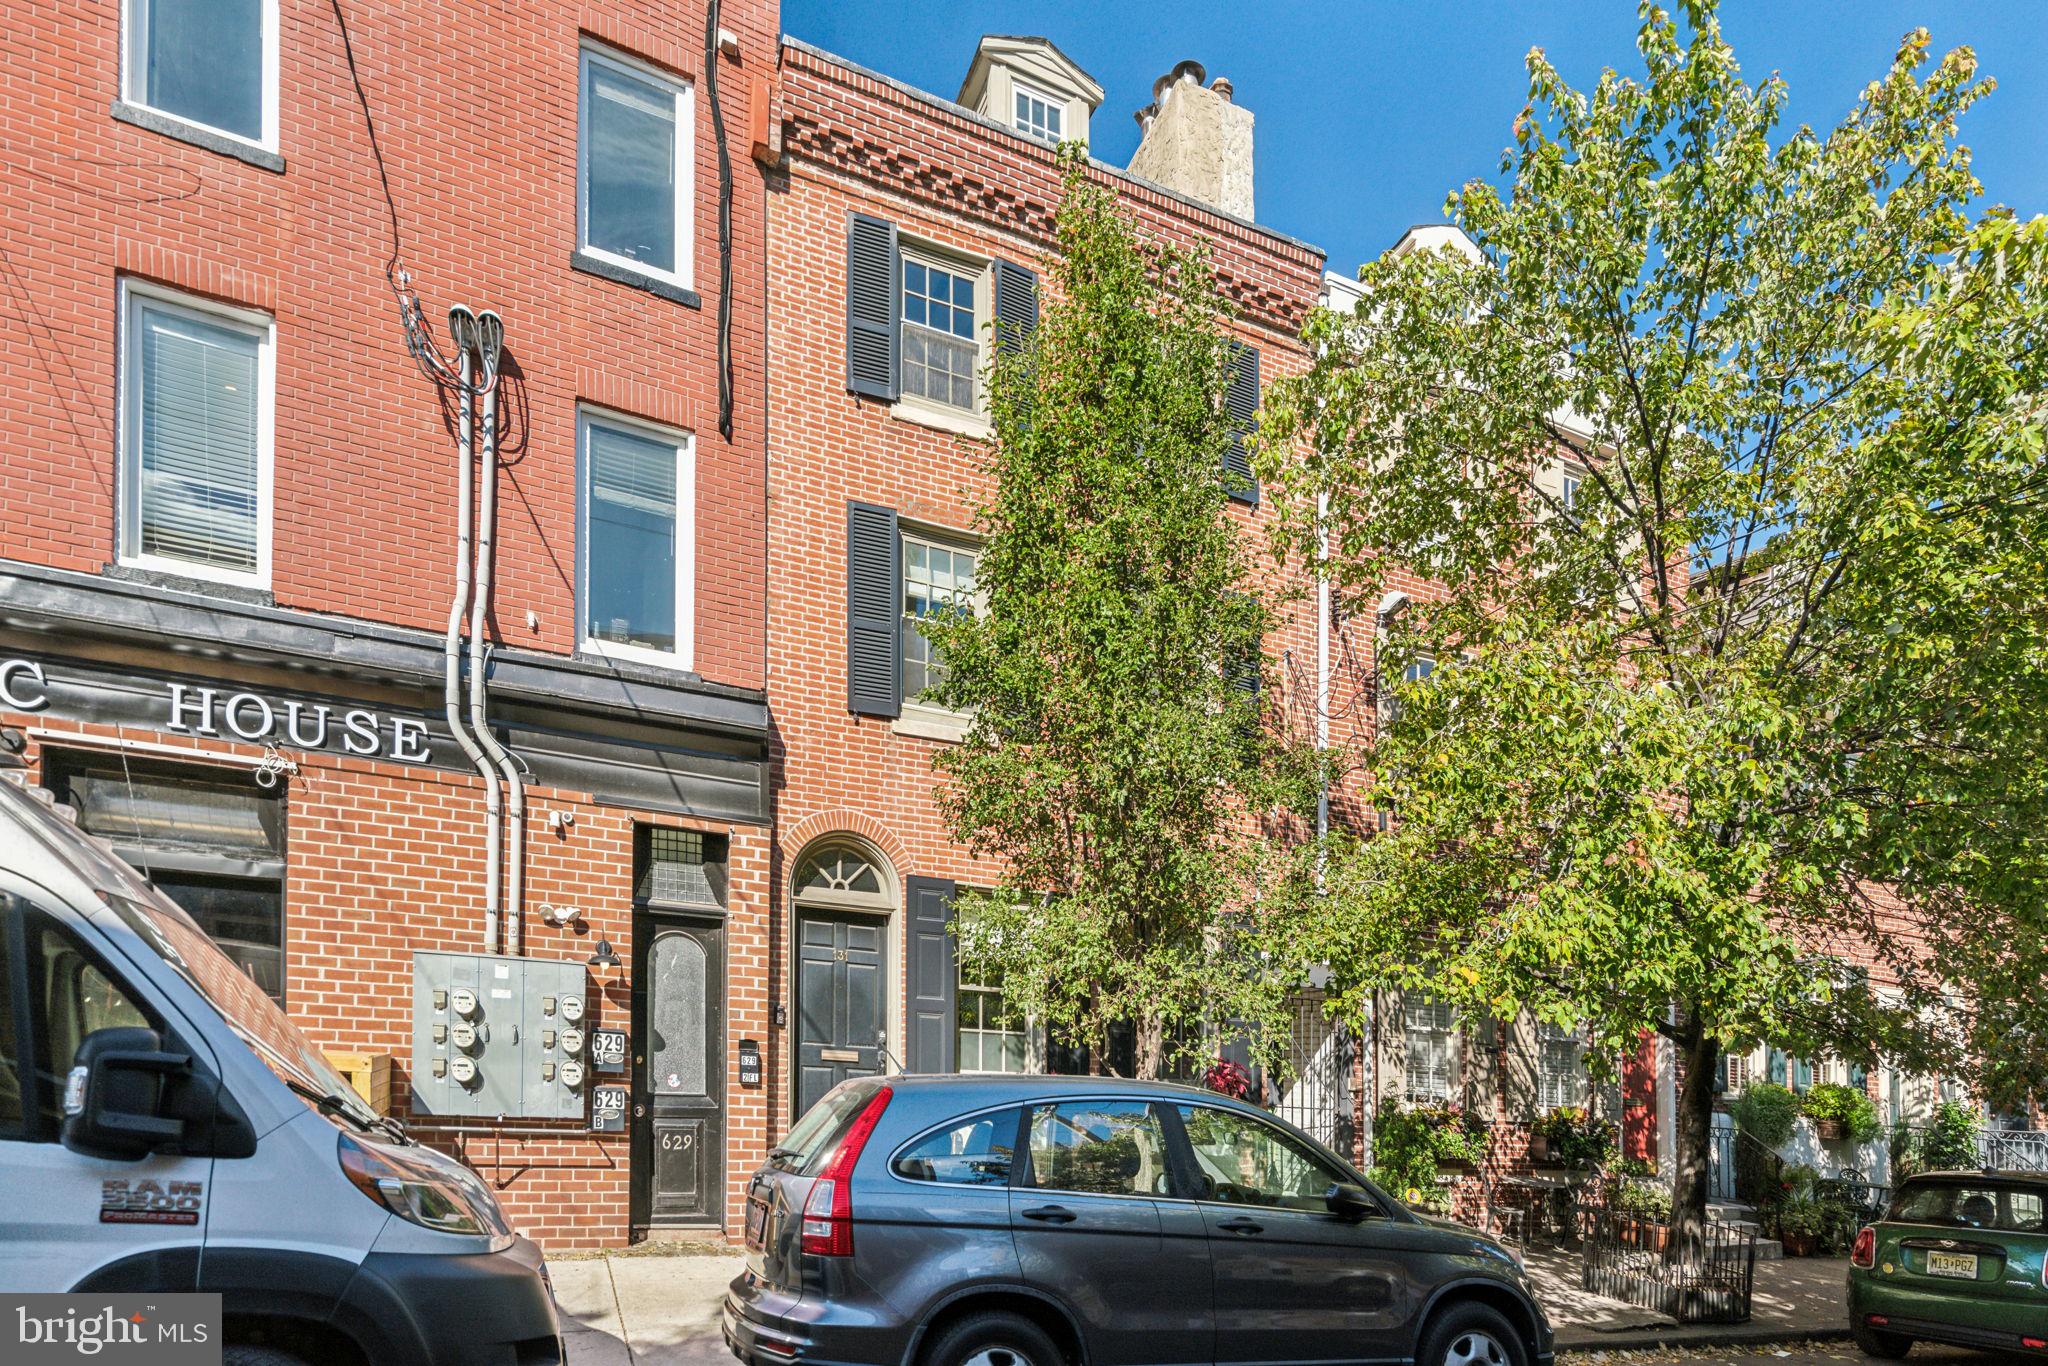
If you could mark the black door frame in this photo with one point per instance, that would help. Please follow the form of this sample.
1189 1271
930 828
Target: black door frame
648 922
892 971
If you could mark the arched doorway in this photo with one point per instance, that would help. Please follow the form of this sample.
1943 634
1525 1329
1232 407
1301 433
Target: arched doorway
843 895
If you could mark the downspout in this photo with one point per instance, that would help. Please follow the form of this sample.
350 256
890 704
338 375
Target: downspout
490 334
462 327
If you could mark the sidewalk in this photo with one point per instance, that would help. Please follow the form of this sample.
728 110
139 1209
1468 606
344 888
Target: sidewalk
1799 1297
663 1310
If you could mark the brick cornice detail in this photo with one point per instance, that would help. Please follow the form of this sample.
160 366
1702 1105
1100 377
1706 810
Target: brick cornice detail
846 821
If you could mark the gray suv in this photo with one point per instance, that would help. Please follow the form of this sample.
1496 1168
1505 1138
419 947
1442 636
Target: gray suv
1080 1221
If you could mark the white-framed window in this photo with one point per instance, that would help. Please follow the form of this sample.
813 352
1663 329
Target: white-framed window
938 579
197 398
944 306
1430 1043
1560 1067
991 1035
209 63
1037 114
1568 490
636 512
634 139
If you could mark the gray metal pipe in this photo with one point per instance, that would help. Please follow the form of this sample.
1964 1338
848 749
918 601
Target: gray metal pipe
462 328
490 332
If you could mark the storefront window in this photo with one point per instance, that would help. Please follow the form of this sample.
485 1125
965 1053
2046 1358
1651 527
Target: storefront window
210 838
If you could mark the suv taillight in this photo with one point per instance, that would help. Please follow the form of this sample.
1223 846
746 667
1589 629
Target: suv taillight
828 1209
1863 1252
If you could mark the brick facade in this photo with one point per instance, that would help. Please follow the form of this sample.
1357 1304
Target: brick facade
475 114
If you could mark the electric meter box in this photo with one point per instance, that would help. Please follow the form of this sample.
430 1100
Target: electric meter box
494 1036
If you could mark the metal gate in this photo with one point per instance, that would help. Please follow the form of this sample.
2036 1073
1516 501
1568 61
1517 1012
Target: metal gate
1315 1096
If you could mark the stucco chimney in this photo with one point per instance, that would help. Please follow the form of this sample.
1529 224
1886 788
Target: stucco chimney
1197 141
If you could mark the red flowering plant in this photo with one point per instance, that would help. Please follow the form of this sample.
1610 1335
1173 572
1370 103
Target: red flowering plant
1227 1078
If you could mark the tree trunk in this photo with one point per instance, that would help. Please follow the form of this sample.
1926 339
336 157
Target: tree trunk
1150 1060
1692 1146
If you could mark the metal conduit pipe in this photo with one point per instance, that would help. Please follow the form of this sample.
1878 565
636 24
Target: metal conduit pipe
462 328
490 336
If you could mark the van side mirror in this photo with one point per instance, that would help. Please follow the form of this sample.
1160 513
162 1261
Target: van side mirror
1352 1202
114 1097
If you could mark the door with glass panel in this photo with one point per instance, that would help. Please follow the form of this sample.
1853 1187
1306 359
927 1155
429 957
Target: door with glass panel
679 1070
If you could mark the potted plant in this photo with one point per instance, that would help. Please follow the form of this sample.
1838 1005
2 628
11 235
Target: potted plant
1766 1112
1800 1224
1457 1137
1414 1144
1570 1136
1840 1112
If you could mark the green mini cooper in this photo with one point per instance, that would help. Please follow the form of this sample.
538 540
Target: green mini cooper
1959 1257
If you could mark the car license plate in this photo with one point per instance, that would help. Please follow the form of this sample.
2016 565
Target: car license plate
1960 1265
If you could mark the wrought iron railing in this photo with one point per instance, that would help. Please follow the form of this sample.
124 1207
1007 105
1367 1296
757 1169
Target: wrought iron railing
2024 1150
1721 1163
1640 1262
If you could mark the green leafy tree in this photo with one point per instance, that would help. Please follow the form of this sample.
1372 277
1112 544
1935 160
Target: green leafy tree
1116 762
1765 691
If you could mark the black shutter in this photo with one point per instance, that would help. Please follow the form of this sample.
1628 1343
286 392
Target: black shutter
1016 306
1241 402
934 977
874 614
873 269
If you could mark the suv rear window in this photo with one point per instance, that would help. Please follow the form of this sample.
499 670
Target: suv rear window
977 1151
1988 1205
818 1132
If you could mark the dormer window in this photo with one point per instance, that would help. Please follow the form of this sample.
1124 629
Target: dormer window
1038 115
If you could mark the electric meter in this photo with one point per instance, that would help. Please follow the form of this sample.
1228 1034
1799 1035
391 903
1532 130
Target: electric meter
464 1035
572 1074
572 1040
572 1008
464 1001
463 1070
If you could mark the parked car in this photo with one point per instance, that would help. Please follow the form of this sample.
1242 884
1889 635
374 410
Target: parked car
164 1127
1080 1221
1958 1257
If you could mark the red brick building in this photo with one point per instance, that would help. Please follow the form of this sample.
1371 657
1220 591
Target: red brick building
229 536
901 225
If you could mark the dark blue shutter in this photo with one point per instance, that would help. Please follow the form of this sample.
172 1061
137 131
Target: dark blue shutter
1775 1070
873 271
1241 402
1802 1075
1016 306
934 977
874 611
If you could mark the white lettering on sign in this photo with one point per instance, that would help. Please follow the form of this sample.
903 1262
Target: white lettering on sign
17 674
249 716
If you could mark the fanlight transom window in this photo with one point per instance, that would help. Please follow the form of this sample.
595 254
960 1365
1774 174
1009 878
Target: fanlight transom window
843 876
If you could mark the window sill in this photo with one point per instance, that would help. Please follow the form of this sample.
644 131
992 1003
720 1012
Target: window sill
971 425
237 588
626 275
172 127
931 723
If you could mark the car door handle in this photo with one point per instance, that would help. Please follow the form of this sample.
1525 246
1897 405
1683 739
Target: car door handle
1241 1226
1050 1214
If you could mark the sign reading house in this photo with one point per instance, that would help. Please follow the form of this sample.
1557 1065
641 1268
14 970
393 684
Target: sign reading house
220 712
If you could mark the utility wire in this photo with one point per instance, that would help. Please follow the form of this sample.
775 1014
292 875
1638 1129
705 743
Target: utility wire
724 224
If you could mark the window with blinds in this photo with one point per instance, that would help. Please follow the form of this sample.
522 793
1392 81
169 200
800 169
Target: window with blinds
634 150
1430 1038
1560 1068
196 447
636 541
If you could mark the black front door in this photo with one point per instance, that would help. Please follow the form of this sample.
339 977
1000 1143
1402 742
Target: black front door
840 1001
678 1071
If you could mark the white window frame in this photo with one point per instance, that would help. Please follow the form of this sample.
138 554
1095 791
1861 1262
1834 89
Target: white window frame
685 443
968 421
135 19
1453 1045
1577 1081
685 95
1052 103
128 514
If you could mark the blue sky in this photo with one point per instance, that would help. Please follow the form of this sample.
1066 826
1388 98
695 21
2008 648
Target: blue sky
1370 112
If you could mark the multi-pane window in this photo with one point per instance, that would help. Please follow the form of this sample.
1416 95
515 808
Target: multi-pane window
636 542
1429 1036
991 1035
634 174
937 579
1568 491
196 434
1037 115
212 63
681 867
941 348
1560 1067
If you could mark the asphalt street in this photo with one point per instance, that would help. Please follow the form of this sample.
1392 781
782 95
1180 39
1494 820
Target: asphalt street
1790 1354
